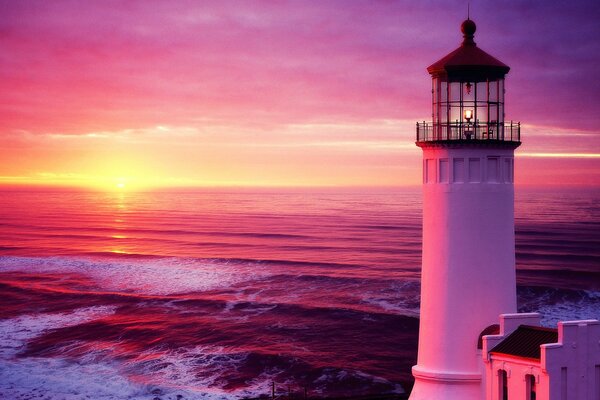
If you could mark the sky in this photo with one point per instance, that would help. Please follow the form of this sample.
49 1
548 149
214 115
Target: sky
147 94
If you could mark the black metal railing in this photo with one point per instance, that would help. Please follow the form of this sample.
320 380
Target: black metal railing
506 132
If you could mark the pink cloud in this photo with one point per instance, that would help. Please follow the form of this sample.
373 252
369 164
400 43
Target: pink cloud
74 67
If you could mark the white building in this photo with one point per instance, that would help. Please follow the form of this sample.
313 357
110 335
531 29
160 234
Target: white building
468 267
530 362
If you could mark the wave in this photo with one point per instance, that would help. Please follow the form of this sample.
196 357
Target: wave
555 304
154 276
65 378
277 281
177 350
220 328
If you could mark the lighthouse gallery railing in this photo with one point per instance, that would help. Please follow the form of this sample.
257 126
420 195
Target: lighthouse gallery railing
508 132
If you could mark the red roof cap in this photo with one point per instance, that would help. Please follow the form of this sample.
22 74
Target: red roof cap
469 62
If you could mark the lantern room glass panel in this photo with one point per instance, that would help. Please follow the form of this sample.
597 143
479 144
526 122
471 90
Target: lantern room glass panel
443 91
467 109
493 91
482 91
455 92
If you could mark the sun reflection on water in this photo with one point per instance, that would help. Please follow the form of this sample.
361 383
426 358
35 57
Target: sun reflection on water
119 207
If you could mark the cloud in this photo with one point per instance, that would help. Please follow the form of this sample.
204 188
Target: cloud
77 66
103 79
560 155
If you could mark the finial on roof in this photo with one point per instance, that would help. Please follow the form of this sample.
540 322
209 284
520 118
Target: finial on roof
468 29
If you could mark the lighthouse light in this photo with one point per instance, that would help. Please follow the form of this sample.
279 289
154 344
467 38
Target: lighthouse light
468 115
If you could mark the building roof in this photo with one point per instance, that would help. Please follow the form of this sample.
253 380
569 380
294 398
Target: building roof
469 62
525 341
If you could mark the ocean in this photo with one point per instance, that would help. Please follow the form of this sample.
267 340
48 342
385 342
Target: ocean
217 294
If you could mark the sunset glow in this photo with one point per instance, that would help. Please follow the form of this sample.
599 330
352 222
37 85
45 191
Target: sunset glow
160 94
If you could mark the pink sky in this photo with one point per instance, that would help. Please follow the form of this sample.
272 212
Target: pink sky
278 93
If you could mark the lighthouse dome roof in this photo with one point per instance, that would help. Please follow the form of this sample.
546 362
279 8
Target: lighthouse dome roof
469 62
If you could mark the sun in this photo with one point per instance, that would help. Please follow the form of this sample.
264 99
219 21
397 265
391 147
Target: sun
121 185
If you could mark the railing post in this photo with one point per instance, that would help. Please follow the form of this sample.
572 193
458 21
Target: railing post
513 126
417 131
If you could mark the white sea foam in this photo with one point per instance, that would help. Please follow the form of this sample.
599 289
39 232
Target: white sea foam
148 276
400 298
333 375
85 378
556 305
15 332
200 370
587 307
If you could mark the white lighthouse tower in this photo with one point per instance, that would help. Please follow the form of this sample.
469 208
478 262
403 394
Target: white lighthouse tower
468 273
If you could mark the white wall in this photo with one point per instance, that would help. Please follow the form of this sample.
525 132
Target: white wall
573 364
468 268
567 370
517 370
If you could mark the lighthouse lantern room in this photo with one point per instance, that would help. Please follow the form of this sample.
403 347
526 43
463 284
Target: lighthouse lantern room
468 263
468 96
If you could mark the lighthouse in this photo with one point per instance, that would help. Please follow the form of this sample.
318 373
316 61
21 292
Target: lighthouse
468 265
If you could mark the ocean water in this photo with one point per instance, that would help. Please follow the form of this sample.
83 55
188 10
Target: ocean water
217 294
